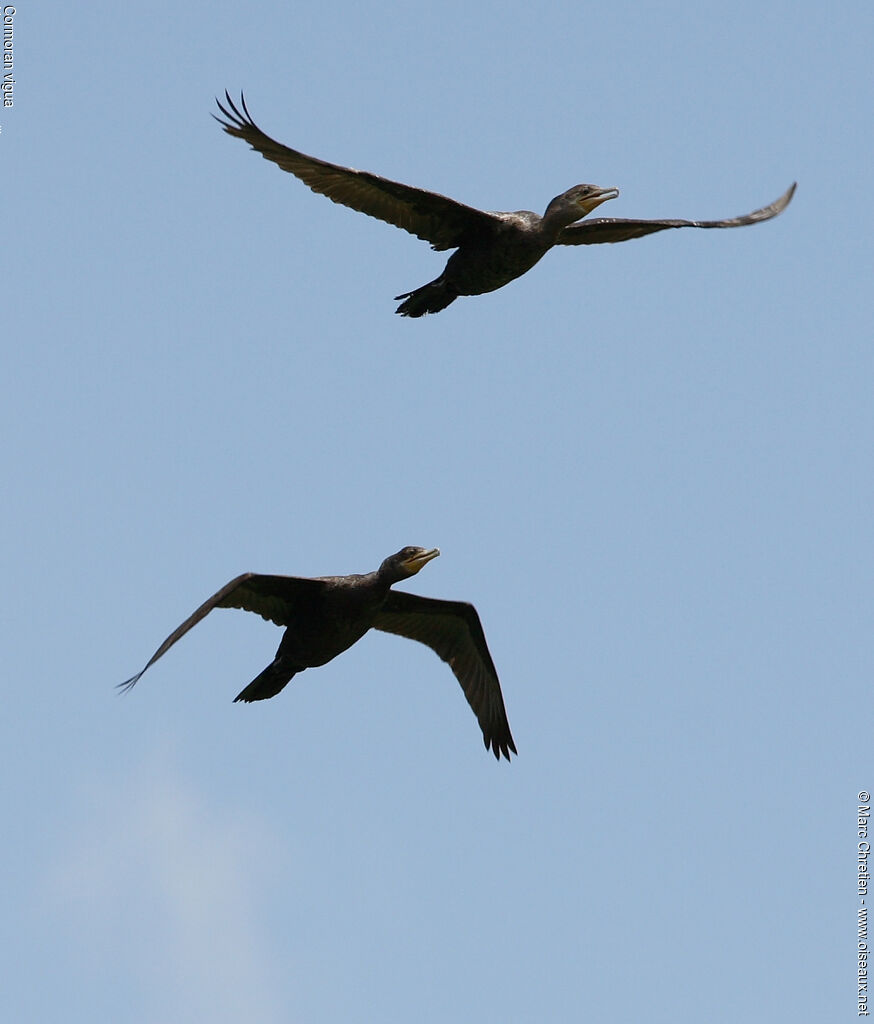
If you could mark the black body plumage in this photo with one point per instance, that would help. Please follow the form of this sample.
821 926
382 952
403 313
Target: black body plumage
492 248
325 615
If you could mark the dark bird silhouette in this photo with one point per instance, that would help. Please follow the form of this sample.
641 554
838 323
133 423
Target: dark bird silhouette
491 248
326 615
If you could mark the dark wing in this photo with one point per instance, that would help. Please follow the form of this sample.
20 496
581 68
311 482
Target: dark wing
274 598
616 229
429 216
453 630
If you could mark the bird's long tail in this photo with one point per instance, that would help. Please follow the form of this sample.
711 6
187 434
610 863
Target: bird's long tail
430 298
268 683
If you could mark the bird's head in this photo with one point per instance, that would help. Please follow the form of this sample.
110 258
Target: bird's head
578 202
407 562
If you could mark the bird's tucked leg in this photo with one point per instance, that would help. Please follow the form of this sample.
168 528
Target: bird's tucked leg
269 682
430 298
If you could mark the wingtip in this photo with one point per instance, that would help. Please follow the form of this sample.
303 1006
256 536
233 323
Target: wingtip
237 118
498 748
129 684
786 198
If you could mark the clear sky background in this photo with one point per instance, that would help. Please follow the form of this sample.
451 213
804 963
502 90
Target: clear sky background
649 465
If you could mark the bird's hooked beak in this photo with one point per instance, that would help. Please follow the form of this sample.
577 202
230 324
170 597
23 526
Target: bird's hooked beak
422 557
599 195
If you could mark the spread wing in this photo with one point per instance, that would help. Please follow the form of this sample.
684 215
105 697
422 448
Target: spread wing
274 598
429 216
452 629
617 229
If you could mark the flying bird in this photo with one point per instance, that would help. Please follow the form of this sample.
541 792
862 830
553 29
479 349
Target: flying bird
492 249
326 615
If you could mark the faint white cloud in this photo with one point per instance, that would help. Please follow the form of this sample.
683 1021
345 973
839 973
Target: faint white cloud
165 898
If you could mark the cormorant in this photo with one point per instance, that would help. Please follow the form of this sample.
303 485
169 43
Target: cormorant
491 248
326 615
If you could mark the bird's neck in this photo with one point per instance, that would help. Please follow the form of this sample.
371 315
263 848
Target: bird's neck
383 581
554 220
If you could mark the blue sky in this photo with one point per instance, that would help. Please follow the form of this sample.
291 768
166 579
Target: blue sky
649 465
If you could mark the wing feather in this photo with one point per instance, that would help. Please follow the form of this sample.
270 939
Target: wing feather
437 219
274 598
452 630
618 229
